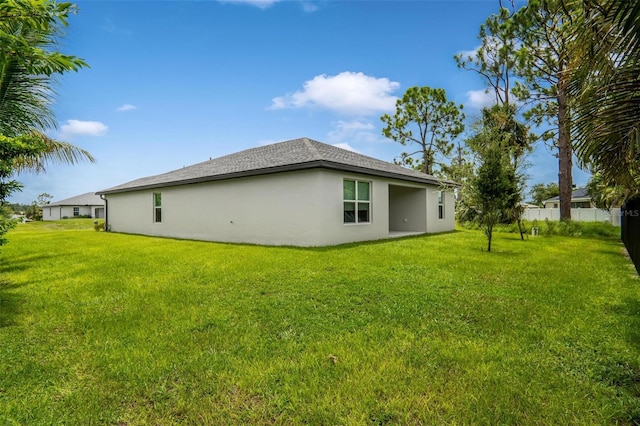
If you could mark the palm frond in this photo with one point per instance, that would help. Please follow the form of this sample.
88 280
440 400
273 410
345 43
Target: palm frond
25 100
606 86
55 152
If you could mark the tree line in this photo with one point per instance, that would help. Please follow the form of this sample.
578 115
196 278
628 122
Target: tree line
564 72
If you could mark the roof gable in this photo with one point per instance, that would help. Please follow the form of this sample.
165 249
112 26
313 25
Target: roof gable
297 154
88 199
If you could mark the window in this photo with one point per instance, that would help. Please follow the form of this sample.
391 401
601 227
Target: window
76 211
157 207
357 201
440 204
581 205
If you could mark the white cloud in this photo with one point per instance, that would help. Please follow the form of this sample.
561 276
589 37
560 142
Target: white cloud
309 7
82 128
347 93
347 147
262 4
126 107
492 46
110 27
358 131
479 99
469 54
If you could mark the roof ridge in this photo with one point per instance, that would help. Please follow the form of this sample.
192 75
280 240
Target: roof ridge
314 150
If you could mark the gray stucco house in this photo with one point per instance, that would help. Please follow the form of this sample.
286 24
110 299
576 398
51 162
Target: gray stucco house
88 204
300 192
580 198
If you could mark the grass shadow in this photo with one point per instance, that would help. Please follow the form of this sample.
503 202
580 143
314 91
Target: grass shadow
24 263
10 303
328 249
622 372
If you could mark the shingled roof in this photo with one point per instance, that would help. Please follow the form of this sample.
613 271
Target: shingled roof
88 199
580 193
297 154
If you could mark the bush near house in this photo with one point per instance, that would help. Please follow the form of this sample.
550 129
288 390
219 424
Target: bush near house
104 328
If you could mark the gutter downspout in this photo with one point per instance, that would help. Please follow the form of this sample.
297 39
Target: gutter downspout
106 213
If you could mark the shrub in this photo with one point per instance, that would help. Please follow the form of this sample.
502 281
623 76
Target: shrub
550 227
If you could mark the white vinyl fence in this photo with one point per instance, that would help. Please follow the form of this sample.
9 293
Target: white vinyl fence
582 215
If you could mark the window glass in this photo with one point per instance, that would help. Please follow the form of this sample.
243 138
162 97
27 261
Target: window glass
349 190
363 212
349 212
157 207
357 201
363 191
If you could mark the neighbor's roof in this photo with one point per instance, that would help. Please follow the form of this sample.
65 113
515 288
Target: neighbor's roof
88 199
297 154
578 194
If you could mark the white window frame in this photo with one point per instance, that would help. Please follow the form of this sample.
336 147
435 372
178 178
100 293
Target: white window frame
441 205
76 211
157 207
355 201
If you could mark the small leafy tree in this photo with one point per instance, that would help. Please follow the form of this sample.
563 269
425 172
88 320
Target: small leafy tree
604 194
460 170
491 190
540 192
500 126
426 118
35 209
499 143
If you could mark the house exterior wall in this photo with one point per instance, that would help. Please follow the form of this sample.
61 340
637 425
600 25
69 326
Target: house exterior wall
575 203
51 213
59 212
302 208
434 224
407 209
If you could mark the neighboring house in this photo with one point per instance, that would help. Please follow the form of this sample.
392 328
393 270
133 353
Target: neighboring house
583 209
580 199
528 206
84 205
299 192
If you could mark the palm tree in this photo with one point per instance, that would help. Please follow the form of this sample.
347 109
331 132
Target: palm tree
607 116
29 64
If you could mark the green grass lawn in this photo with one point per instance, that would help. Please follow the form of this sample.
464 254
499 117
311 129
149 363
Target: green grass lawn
104 328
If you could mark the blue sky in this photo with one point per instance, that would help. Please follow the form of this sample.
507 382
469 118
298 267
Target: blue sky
173 83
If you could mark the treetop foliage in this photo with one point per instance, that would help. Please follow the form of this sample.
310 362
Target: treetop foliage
425 117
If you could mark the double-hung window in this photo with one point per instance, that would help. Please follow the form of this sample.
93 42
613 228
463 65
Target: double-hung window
157 207
76 211
440 204
357 201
